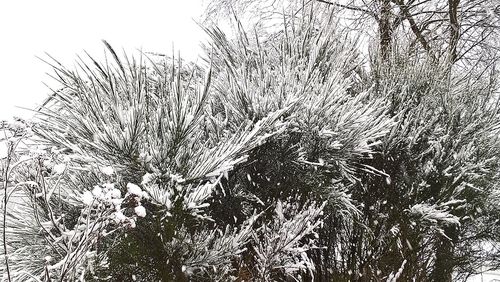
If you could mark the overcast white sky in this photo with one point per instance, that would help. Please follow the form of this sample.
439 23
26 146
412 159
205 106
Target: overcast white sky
64 28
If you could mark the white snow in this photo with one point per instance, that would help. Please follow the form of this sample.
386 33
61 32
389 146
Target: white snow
119 216
134 189
146 178
117 202
108 170
59 168
97 191
140 211
487 276
87 198
116 193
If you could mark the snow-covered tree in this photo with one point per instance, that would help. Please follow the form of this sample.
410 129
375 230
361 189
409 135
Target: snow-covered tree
284 156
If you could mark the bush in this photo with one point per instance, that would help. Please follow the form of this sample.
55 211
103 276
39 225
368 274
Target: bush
279 161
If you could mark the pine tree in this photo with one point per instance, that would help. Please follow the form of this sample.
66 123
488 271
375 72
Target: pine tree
282 158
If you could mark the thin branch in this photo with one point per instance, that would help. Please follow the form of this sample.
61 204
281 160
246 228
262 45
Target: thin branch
10 150
353 8
414 28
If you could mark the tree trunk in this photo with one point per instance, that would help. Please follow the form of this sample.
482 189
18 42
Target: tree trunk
385 28
455 29
443 266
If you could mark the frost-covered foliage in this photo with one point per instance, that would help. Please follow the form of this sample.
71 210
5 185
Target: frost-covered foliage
280 160
442 156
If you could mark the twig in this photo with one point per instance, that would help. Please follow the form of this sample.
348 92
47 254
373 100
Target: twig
5 201
350 8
